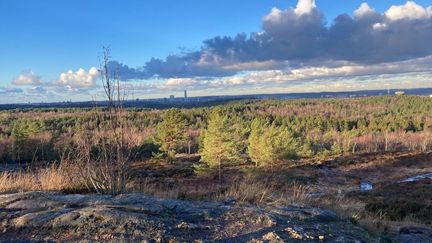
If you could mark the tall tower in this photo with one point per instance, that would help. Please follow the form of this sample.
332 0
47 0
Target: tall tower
185 95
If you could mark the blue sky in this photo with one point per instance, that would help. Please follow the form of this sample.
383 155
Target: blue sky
43 39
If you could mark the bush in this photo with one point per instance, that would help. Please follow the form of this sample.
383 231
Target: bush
398 210
145 150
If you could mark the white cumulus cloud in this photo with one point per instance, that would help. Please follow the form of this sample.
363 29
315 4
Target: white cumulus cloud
27 78
305 6
363 10
79 79
410 10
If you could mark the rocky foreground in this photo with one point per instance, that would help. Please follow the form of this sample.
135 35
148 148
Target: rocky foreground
41 216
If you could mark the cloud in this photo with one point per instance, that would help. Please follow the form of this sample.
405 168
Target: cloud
305 7
79 79
27 78
70 85
181 82
363 10
305 75
37 90
126 72
188 65
300 37
410 11
376 38
296 49
8 90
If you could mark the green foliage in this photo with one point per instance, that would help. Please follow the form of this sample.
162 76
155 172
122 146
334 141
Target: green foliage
201 169
269 143
171 132
222 144
336 149
25 128
25 146
306 150
146 150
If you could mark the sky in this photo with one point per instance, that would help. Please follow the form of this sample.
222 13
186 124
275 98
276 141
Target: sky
49 50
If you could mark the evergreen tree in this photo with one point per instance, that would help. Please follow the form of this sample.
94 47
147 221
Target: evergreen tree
222 143
269 143
24 128
171 132
307 149
23 133
256 144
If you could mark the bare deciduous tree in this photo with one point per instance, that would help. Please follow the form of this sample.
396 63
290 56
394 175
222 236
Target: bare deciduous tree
105 152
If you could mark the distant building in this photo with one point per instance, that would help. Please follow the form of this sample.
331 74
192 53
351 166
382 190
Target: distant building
171 98
400 93
185 95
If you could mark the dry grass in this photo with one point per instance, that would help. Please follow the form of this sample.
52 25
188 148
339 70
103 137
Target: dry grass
354 210
59 178
249 191
300 195
148 187
17 182
262 192
240 190
52 178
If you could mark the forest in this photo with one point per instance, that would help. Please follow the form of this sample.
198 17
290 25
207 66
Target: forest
260 132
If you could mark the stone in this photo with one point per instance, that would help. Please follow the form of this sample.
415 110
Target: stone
139 217
366 186
272 237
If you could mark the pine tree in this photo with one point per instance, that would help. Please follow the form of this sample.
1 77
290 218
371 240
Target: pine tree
256 143
222 143
269 143
22 132
171 132
306 149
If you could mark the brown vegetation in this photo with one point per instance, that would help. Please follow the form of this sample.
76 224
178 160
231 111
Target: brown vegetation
61 177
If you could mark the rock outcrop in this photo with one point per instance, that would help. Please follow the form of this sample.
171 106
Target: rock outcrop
42 216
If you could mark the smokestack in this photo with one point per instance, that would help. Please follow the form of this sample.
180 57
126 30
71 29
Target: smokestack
185 95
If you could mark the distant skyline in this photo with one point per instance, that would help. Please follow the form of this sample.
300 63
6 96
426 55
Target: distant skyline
49 49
